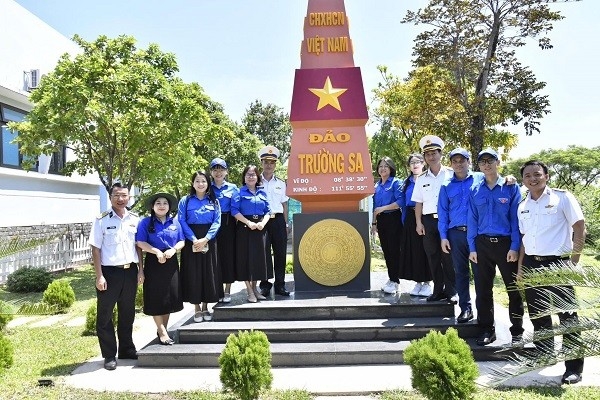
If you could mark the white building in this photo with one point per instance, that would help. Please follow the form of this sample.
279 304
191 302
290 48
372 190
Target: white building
41 201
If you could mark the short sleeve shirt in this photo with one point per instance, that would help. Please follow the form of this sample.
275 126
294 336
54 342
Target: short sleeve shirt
115 237
427 189
275 190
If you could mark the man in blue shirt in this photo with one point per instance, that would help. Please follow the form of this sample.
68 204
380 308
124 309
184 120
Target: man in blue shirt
494 240
453 204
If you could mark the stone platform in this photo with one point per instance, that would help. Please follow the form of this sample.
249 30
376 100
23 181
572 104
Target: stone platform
316 329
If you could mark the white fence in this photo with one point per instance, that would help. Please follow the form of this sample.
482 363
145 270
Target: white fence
55 256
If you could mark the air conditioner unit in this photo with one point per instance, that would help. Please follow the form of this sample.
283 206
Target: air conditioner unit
34 79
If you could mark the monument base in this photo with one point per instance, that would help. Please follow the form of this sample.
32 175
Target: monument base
331 252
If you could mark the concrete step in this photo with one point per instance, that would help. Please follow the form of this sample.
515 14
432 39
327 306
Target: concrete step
298 354
325 330
322 307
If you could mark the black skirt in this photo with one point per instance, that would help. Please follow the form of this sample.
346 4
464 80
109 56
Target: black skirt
226 248
200 274
251 252
413 260
162 290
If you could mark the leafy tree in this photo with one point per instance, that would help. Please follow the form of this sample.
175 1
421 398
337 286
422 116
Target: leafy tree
121 110
425 103
570 168
475 41
271 125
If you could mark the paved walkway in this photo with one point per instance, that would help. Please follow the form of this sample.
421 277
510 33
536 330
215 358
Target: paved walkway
351 382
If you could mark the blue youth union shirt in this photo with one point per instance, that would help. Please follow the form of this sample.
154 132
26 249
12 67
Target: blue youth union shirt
165 236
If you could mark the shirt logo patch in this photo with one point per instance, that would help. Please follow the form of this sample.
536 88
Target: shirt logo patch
111 227
525 212
503 200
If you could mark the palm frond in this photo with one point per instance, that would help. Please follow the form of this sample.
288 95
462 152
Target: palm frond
526 360
561 273
560 299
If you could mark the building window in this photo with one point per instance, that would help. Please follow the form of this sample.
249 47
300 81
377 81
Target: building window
10 156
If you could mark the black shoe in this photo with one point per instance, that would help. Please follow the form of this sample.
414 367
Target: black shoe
265 292
516 339
128 356
282 291
465 316
167 342
110 363
437 297
486 338
571 377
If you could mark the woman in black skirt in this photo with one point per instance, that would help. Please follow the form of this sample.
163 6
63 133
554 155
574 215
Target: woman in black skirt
200 217
225 192
413 261
251 208
161 236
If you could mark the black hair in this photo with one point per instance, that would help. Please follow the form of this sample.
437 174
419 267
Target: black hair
410 157
534 162
390 164
256 170
117 185
209 192
151 228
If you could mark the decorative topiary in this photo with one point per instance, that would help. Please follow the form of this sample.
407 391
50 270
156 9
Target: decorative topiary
28 279
6 353
90 319
59 294
442 365
5 314
139 297
246 364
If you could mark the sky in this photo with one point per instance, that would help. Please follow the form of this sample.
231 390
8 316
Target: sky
243 50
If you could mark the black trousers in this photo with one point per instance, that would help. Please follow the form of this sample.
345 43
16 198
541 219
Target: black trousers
277 240
537 300
492 251
121 286
389 229
440 263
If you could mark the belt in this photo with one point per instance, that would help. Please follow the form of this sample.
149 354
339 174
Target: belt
434 215
122 266
550 258
273 215
460 228
495 239
254 217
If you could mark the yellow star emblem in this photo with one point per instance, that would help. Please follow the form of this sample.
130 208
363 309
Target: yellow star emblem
328 95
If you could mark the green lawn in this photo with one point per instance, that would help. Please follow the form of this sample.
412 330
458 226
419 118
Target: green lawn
54 352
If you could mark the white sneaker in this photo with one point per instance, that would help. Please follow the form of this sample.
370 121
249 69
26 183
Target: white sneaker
416 289
387 285
426 290
390 287
226 298
198 316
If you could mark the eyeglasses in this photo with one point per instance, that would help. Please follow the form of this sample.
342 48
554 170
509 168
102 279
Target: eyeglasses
383 166
251 175
119 196
416 162
488 161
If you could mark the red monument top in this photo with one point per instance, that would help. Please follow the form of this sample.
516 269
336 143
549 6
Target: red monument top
329 168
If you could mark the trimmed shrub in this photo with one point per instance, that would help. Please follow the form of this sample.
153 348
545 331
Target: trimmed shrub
6 353
139 298
28 279
90 319
442 365
246 364
5 314
59 294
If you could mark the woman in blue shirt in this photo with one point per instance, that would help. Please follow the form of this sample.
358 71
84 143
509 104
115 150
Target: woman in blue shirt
200 217
387 220
413 260
224 192
251 208
161 236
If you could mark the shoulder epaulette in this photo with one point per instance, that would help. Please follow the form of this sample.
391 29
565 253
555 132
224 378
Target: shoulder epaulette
104 214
